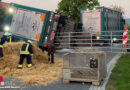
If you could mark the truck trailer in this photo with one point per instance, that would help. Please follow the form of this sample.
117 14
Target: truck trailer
102 23
28 23
31 23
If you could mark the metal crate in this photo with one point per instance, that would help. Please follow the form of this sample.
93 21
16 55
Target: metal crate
85 66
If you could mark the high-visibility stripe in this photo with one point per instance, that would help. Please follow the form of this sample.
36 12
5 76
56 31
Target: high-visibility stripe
38 37
43 17
27 47
125 33
26 50
10 39
29 65
125 29
52 35
98 33
1 46
20 65
124 42
125 36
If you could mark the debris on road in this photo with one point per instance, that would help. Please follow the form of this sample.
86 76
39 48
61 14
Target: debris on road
42 71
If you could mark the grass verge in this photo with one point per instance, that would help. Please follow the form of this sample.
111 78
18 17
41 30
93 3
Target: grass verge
120 77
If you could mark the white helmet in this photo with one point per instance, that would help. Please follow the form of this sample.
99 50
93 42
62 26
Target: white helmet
29 41
7 33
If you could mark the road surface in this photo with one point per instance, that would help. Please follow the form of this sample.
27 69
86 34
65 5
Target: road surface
59 85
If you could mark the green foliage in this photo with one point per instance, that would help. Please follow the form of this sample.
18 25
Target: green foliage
120 77
128 27
2 17
118 8
71 8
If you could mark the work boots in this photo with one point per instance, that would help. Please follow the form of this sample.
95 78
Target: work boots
20 66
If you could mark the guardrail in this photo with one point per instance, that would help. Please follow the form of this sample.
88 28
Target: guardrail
110 41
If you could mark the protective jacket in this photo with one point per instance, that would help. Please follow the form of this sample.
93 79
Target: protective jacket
26 49
3 40
9 39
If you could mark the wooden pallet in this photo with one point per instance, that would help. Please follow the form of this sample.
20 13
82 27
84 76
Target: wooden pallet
95 83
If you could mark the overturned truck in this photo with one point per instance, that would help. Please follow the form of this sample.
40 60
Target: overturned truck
38 25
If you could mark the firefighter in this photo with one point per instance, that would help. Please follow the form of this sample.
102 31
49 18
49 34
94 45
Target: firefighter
9 37
26 52
2 41
5 38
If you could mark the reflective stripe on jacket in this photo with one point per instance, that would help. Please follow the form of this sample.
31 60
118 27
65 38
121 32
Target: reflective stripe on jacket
9 38
1 46
26 50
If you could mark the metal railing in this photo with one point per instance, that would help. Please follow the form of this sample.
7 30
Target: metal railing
110 41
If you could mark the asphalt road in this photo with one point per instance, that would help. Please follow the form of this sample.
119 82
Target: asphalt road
59 85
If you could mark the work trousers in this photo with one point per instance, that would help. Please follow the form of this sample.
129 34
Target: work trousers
28 57
1 52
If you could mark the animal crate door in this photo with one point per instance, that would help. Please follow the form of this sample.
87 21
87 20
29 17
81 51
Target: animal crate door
27 24
81 66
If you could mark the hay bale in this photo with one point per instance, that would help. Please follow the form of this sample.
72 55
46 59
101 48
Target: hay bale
42 71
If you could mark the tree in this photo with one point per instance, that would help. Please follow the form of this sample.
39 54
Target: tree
118 8
71 8
2 17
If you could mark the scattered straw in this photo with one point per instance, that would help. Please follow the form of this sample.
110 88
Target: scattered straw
42 72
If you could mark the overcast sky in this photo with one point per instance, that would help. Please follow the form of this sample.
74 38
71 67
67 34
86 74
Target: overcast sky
52 4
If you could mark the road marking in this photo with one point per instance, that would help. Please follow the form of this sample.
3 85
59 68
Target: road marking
110 66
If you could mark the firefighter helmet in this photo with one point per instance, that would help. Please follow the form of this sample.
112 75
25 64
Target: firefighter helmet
29 41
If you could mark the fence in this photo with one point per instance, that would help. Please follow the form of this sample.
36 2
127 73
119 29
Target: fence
110 41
